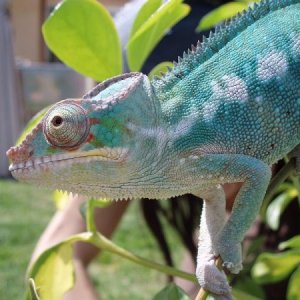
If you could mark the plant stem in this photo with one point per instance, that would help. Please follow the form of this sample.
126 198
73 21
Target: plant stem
204 293
32 288
90 223
105 244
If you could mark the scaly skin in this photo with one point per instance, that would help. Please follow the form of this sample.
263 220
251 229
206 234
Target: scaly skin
226 111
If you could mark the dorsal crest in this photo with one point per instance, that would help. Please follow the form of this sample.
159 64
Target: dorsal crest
217 39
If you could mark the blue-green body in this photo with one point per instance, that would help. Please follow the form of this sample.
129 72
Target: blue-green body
226 111
231 107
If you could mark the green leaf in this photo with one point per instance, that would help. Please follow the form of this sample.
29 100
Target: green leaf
53 271
293 292
151 32
249 287
83 35
144 14
242 295
171 292
160 68
291 243
270 267
220 14
31 124
56 275
277 207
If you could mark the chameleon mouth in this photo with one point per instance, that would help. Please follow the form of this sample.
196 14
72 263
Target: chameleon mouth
67 159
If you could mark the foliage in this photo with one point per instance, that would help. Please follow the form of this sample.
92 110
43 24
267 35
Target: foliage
222 13
82 34
143 40
274 267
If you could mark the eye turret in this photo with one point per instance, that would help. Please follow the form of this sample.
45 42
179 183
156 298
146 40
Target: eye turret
66 125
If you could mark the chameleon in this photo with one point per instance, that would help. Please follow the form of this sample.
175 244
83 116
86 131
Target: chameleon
227 110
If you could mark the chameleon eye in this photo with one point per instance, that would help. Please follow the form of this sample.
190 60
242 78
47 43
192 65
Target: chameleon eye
66 125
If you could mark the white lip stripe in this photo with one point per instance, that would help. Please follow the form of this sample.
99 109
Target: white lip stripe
104 154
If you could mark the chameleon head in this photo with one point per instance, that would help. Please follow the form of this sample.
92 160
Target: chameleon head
89 145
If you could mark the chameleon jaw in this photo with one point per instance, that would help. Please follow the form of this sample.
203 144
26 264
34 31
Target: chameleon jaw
66 159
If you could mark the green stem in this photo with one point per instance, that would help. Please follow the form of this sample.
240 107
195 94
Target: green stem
32 288
102 242
90 222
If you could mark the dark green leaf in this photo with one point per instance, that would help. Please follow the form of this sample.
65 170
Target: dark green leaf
83 35
151 32
171 292
249 287
220 14
293 292
241 295
271 267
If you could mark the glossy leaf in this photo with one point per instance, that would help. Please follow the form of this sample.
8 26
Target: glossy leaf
83 35
293 292
277 207
151 32
144 14
171 292
31 124
291 243
220 14
160 68
271 267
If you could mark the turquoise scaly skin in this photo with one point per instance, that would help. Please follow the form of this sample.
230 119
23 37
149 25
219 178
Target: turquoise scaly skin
227 110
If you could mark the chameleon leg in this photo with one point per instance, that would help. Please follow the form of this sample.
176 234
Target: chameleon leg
255 175
212 221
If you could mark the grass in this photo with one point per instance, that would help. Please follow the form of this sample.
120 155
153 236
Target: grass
25 212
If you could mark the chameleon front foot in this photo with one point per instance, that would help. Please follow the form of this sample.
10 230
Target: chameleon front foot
231 255
213 280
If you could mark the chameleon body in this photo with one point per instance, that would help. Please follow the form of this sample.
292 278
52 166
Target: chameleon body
226 112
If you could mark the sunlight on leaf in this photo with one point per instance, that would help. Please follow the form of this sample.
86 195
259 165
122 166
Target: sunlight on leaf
151 32
293 292
144 14
53 271
56 275
277 207
83 35
171 292
291 243
271 267
160 68
220 14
